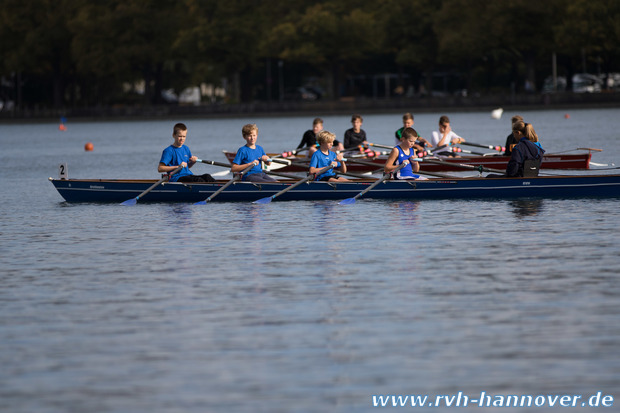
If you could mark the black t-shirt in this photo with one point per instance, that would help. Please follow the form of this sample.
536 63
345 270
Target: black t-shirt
309 139
353 139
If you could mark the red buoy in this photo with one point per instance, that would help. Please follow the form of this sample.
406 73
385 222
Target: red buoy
89 147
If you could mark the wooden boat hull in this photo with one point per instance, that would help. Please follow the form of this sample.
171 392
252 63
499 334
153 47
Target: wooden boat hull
114 190
550 161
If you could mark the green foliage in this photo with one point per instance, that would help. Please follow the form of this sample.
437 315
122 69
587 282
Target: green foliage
92 48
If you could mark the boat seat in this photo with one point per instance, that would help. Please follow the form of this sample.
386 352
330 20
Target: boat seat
531 167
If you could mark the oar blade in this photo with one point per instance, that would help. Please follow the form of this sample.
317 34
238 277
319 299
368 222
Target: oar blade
203 202
263 200
130 202
347 201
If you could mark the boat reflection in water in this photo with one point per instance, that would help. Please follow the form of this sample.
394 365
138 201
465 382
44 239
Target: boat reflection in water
526 207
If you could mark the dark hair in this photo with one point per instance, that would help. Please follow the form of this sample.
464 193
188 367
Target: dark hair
178 127
410 132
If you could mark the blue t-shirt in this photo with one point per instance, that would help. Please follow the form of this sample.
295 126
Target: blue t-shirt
172 156
320 160
246 154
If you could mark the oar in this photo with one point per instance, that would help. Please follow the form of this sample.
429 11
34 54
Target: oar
294 152
222 173
301 164
478 168
461 150
478 145
268 199
380 146
350 201
225 165
226 185
133 201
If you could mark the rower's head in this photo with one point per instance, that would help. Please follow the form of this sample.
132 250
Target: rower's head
444 122
521 129
317 125
326 139
250 133
409 137
408 120
179 133
356 121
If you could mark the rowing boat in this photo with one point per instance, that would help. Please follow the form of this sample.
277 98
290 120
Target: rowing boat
118 190
550 161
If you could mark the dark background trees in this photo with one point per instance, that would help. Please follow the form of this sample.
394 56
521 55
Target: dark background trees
77 53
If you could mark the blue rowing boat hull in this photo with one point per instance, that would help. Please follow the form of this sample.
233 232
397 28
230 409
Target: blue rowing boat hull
113 190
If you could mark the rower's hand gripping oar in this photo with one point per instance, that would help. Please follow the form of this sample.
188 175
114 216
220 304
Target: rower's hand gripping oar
268 199
350 201
226 185
133 201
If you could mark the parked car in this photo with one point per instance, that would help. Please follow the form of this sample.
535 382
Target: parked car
299 93
586 83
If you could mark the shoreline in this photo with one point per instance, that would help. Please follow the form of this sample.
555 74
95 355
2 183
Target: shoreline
345 106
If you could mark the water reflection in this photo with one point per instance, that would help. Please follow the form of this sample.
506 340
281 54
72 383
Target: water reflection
406 211
526 207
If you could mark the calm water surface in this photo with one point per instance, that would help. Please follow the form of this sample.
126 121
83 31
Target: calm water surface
297 306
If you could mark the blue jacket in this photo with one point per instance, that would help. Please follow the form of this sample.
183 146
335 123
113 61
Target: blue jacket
523 151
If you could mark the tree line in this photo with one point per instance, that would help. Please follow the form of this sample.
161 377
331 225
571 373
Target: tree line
72 53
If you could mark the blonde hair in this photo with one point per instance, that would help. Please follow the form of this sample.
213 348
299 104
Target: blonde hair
526 129
248 129
325 137
516 118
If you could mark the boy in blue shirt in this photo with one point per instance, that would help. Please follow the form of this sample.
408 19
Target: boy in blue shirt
324 156
250 154
179 154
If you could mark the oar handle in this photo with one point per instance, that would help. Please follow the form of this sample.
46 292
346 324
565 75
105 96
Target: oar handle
478 145
380 146
478 168
213 163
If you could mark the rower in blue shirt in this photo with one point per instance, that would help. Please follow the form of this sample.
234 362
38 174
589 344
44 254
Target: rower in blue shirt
324 156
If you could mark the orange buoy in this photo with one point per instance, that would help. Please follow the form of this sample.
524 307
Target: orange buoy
62 127
89 147
567 116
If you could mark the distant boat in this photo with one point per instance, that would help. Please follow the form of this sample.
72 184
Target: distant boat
497 113
550 161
